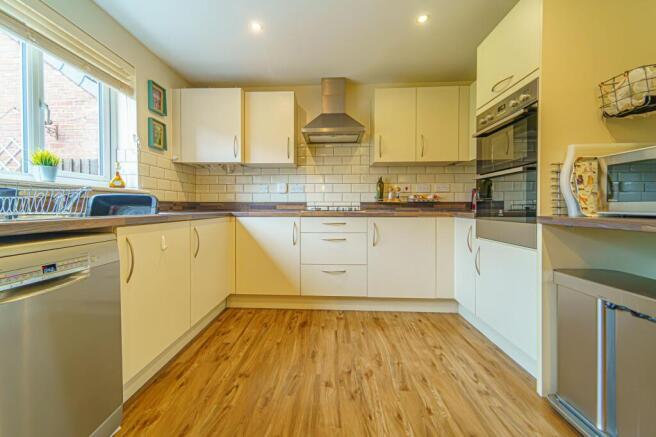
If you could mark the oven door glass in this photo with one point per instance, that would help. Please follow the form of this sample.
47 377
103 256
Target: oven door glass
511 197
511 146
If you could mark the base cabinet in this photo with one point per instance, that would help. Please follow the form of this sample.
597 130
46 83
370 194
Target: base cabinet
268 255
212 251
465 272
155 291
507 293
401 257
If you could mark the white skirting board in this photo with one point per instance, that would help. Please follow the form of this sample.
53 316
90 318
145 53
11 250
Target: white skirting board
529 364
141 378
343 303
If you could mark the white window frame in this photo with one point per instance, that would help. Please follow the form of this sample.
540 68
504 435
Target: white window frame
34 124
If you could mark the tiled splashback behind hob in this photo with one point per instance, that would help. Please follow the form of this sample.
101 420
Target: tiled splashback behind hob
331 175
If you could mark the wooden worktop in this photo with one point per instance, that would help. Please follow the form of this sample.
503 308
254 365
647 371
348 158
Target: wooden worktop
41 226
612 223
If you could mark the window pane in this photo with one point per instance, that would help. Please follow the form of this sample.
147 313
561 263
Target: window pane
73 130
11 104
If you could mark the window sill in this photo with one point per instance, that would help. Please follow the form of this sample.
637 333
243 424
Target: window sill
96 186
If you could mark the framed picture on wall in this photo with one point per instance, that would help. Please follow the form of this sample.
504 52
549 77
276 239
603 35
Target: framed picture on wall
156 134
156 98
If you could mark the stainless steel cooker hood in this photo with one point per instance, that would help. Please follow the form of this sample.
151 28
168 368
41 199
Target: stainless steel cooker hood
333 125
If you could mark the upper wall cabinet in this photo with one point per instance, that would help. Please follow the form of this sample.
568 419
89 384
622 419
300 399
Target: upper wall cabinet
421 125
437 123
395 122
210 124
270 128
510 53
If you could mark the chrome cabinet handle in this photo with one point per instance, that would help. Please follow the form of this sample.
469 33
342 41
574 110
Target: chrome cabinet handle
477 261
335 223
131 270
163 243
380 146
294 234
234 145
423 144
508 79
374 235
469 242
334 271
333 239
287 147
197 242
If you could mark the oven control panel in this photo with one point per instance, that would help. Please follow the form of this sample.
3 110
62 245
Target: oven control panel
506 108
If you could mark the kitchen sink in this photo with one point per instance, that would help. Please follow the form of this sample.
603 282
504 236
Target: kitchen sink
122 204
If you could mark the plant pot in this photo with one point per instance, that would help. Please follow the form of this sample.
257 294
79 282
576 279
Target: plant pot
46 173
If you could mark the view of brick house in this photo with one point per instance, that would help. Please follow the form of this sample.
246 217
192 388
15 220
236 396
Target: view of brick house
72 98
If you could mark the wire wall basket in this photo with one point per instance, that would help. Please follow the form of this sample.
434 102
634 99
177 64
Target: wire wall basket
558 206
30 203
630 93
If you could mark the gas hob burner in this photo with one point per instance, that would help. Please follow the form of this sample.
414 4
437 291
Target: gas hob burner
333 208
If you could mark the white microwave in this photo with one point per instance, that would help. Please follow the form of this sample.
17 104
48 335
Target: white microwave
627 183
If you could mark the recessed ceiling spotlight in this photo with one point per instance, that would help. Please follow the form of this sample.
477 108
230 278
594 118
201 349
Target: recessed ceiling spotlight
423 18
256 27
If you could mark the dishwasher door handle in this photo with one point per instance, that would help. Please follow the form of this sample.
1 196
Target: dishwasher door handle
35 289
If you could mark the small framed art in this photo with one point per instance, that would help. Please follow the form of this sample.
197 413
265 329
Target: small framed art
156 134
156 98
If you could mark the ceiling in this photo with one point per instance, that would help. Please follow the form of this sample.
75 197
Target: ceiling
369 41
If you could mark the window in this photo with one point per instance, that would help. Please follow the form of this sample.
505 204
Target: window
46 103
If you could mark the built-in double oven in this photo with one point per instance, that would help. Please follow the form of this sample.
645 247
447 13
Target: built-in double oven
506 169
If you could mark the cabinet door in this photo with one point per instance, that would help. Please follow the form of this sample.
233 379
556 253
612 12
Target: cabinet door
268 255
211 125
212 265
395 124
438 113
510 53
507 294
465 274
445 260
269 127
154 291
401 257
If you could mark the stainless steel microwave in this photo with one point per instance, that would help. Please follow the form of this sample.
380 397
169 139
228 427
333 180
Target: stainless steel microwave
627 183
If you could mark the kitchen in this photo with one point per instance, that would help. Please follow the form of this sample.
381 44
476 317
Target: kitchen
317 237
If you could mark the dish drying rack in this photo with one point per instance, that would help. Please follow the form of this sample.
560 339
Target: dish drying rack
31 203
630 93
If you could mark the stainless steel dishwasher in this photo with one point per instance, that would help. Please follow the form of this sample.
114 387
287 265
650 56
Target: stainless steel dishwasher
60 336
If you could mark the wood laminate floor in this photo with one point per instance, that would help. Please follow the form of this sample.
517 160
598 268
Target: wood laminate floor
333 373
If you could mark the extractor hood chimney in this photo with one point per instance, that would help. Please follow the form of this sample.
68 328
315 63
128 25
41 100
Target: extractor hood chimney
333 125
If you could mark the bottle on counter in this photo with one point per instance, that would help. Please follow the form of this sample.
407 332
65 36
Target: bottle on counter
380 189
117 181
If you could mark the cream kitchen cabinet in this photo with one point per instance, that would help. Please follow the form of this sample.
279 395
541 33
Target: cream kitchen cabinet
209 122
438 114
395 124
510 53
465 273
268 255
212 249
155 291
270 128
421 125
444 260
401 257
507 293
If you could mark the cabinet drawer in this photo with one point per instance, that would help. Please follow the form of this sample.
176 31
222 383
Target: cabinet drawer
333 224
333 280
325 248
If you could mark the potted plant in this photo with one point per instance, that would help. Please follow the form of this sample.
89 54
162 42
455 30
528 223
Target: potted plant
46 164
